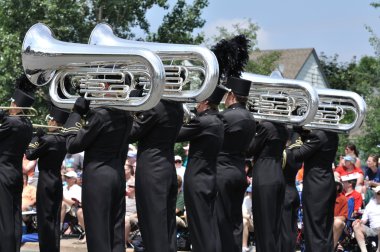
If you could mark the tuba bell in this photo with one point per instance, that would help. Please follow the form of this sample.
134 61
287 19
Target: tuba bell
340 111
191 71
104 75
281 100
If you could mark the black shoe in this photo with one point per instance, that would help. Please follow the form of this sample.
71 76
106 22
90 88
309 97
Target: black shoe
82 235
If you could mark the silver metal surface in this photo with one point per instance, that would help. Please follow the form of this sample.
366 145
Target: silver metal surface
191 71
281 100
89 69
339 111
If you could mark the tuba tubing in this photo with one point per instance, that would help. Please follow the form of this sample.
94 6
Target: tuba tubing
281 100
43 56
333 105
103 34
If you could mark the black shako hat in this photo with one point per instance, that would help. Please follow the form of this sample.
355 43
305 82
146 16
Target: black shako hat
59 115
217 95
22 99
238 86
24 92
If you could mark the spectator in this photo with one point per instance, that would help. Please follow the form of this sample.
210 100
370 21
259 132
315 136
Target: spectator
178 166
73 161
372 215
180 204
29 168
350 168
72 194
186 150
372 173
28 195
247 217
129 169
349 182
351 150
340 211
130 208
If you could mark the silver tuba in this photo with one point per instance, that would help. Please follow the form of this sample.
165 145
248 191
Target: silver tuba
281 100
87 69
339 111
191 71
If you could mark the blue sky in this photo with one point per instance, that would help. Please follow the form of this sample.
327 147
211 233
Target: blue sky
330 26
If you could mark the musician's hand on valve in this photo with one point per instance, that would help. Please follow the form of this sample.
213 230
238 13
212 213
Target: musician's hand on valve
81 106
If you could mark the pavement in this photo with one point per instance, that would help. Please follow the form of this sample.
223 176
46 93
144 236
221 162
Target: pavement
67 245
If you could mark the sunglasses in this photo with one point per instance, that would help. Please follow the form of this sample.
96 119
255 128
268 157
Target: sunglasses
178 161
131 186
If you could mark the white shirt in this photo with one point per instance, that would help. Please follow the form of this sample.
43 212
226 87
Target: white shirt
372 214
181 172
247 205
75 192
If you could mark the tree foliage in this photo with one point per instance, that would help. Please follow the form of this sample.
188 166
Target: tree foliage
179 24
247 27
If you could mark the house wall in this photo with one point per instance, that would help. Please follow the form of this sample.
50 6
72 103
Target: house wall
311 73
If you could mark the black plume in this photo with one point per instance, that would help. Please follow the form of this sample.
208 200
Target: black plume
241 45
25 85
232 56
225 55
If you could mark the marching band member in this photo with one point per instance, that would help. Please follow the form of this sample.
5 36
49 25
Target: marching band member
288 233
239 129
104 140
268 185
205 133
50 150
319 190
15 135
156 131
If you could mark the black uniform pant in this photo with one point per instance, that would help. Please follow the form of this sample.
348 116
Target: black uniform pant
103 203
231 185
318 201
288 234
49 201
200 194
156 194
268 191
10 212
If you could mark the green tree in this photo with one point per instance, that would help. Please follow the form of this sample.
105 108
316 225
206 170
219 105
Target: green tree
179 24
246 27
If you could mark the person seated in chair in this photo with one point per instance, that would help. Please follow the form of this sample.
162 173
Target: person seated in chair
247 217
349 184
28 195
340 211
371 215
130 209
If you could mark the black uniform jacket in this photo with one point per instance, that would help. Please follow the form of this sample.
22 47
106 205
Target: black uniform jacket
50 150
239 130
318 150
15 135
156 129
101 135
206 132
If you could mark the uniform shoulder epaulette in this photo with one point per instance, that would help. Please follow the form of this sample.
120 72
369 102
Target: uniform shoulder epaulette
75 128
297 144
34 145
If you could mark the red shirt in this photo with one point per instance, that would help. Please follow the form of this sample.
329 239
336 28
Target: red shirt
357 198
341 207
343 171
